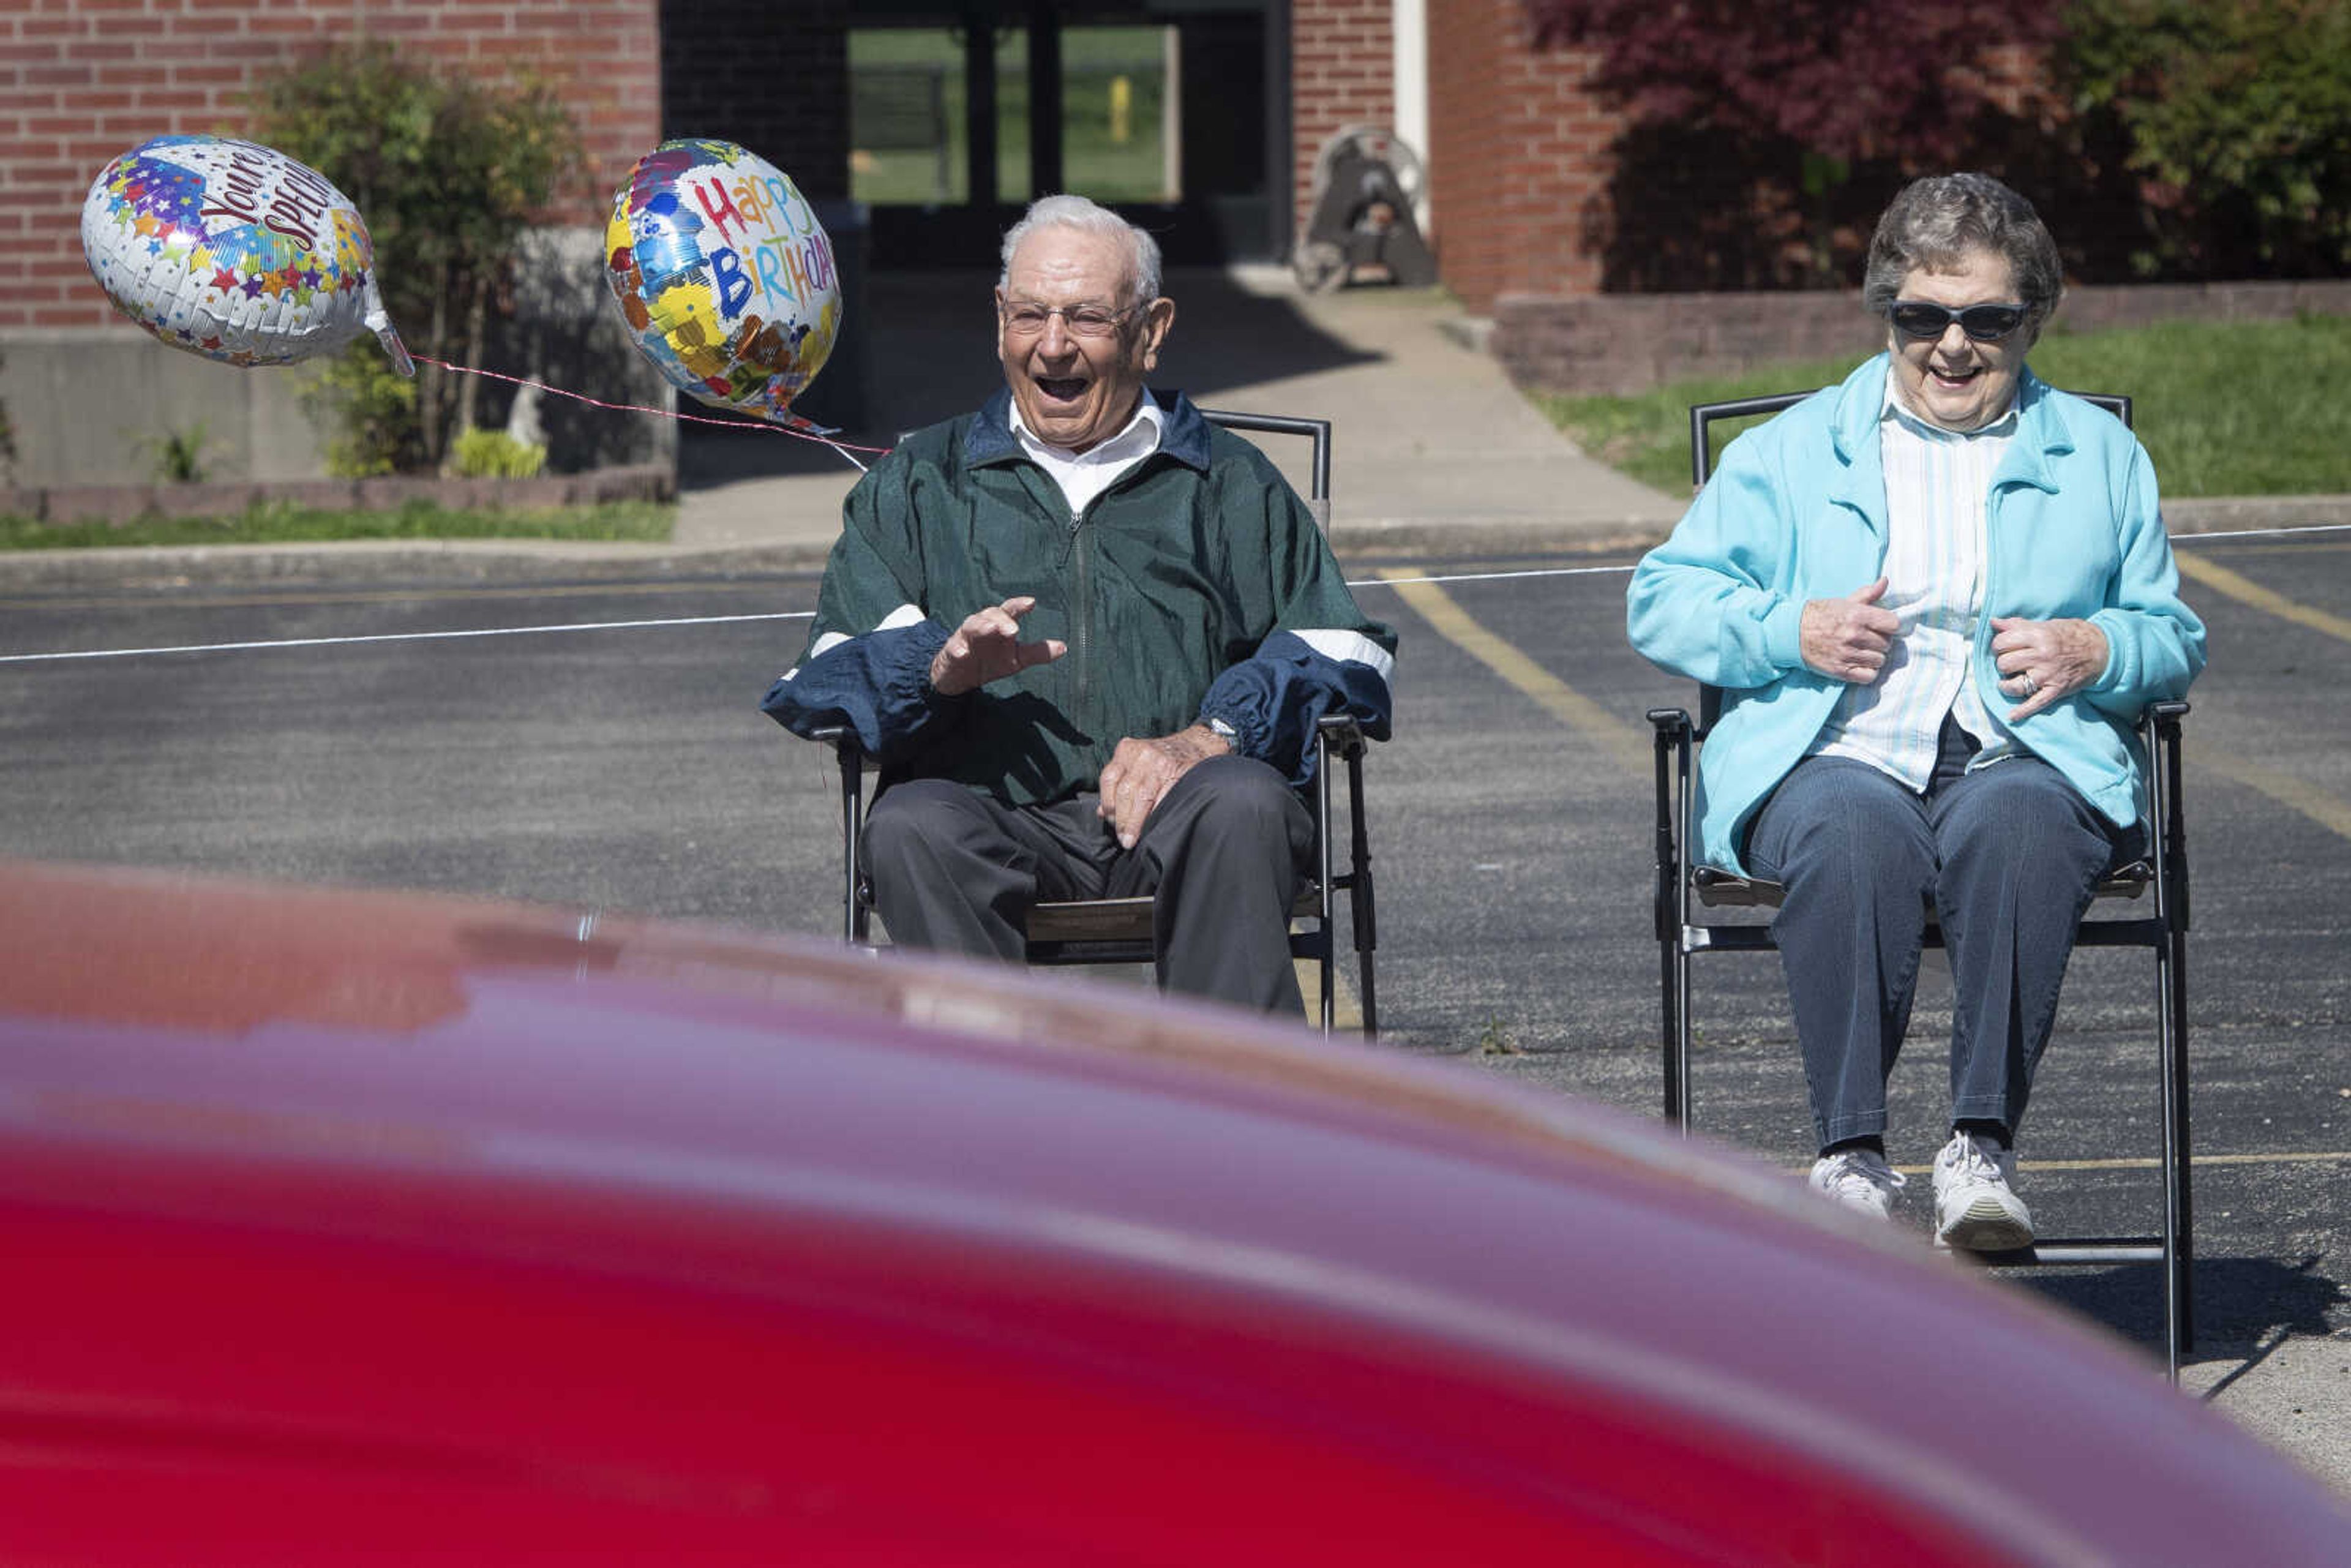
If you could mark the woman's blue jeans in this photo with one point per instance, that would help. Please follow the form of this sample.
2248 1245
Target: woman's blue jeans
2009 856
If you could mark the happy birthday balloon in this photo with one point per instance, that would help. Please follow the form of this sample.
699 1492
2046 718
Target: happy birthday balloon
723 275
234 251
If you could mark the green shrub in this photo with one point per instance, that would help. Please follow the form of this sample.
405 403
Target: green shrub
494 454
2237 113
371 408
446 171
176 456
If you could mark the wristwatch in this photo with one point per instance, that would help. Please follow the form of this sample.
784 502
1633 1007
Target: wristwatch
1225 732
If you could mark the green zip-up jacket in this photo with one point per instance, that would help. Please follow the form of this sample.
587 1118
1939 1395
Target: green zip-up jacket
1197 588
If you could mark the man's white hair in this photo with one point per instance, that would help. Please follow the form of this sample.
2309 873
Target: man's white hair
1088 217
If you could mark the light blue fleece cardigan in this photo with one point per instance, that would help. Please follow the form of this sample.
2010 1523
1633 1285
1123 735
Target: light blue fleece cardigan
1797 511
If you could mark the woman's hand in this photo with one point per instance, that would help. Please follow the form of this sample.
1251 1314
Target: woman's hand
2041 660
1847 638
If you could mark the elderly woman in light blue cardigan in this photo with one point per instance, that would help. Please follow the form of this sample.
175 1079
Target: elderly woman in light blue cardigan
1936 598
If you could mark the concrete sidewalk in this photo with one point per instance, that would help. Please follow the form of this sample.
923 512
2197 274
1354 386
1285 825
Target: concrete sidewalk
1433 452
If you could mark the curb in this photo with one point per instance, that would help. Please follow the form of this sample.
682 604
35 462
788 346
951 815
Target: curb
475 562
227 497
424 563
2224 513
1406 539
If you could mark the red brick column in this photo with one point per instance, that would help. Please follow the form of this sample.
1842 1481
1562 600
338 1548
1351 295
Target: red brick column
1342 72
1518 157
83 80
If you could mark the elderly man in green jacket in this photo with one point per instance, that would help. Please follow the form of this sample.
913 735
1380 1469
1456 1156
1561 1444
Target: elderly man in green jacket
1088 635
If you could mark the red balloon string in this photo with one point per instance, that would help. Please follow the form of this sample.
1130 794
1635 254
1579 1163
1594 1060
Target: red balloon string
790 424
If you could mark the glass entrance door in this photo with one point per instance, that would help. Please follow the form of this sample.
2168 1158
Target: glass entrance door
955 125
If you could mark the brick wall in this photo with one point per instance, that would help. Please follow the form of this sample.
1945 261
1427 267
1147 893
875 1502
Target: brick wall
84 80
1341 70
1626 343
1519 156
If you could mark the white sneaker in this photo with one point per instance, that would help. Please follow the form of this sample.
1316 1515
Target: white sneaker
1975 1208
1858 1179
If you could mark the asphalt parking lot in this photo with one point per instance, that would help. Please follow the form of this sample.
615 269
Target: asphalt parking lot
405 733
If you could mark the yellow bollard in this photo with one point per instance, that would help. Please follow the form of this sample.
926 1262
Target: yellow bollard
1121 109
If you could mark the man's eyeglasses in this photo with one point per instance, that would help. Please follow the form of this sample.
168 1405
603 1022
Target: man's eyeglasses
1984 323
1082 320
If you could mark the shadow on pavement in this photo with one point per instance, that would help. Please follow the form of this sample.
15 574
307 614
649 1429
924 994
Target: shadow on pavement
2244 1306
929 352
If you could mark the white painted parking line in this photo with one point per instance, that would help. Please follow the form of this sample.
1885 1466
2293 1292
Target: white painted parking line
395 637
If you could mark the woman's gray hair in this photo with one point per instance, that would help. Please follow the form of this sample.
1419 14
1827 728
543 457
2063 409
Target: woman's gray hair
1090 218
1935 222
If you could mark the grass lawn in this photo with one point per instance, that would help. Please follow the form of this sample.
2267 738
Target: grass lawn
646 522
2256 408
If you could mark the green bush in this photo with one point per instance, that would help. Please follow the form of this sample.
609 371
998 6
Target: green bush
2237 114
371 409
446 171
176 456
494 454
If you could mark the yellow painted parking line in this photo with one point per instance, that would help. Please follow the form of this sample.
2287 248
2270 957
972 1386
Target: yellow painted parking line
2150 1162
2329 811
2245 591
1622 741
1346 1012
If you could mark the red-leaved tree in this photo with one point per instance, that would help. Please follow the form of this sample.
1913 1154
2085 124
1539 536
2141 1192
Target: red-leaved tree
1907 85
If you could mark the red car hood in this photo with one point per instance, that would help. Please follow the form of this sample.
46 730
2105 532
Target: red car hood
363 1227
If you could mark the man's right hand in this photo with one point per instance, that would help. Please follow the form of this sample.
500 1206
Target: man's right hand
987 647
1847 638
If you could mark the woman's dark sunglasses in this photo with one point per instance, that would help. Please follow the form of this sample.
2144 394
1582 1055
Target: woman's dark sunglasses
1984 323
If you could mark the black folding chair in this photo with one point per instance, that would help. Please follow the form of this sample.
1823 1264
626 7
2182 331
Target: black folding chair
1118 930
1683 889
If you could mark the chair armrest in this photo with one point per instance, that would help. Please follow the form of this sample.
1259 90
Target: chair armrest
846 747
1670 721
1341 733
2159 725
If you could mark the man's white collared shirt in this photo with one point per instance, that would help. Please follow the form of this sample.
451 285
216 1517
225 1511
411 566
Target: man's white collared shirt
1937 498
1083 475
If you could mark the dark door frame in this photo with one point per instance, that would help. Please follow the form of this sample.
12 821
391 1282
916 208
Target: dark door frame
918 237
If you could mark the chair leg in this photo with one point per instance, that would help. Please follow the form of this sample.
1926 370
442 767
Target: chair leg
1330 1003
851 761
2178 1208
1669 906
1669 1017
1328 947
1362 907
1679 1111
2160 730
